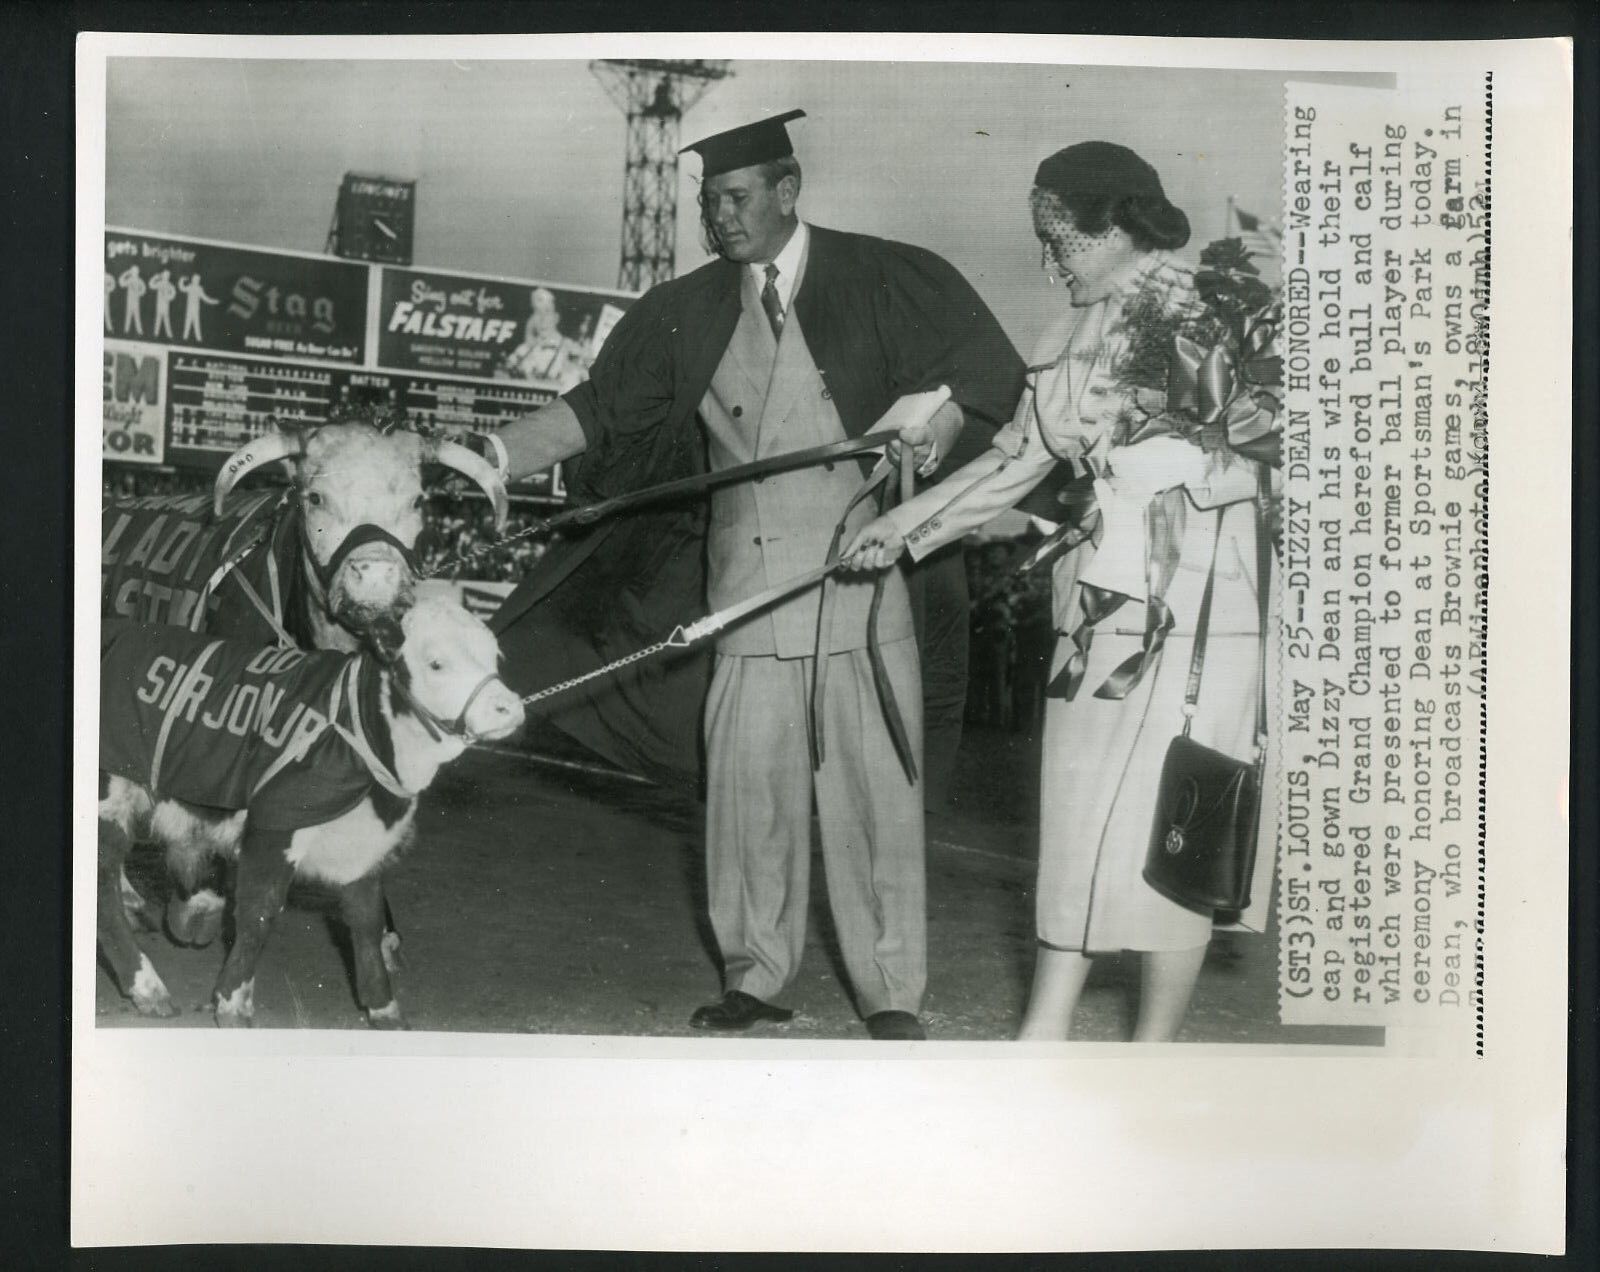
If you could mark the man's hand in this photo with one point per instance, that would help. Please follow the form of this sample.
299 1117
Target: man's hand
930 440
877 546
924 448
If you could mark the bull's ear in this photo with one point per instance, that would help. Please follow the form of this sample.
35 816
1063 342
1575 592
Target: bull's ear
386 638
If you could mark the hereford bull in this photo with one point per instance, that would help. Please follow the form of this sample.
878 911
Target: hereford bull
315 567
294 764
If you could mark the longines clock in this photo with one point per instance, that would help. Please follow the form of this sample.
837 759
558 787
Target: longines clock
373 219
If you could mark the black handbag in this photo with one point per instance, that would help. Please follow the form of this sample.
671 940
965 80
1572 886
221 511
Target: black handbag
1202 851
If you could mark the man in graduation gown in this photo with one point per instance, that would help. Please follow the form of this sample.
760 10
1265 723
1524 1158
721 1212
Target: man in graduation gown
795 337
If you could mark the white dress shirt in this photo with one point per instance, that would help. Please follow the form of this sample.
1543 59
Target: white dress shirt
788 263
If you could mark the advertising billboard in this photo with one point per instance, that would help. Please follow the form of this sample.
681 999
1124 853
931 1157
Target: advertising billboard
208 345
135 388
192 294
499 329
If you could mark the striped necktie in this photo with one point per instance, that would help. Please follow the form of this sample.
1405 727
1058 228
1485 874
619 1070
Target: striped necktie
771 303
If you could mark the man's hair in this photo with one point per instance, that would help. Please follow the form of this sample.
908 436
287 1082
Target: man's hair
772 171
775 170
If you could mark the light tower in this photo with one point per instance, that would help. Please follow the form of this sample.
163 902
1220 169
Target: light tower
654 96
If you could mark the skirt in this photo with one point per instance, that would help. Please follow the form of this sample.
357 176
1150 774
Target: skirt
1102 758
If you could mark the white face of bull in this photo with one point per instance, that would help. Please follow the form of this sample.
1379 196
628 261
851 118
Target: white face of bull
361 500
447 654
351 477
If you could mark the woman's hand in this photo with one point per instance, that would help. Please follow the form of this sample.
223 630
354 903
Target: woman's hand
877 546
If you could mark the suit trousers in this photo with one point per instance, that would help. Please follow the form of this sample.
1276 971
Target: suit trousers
760 791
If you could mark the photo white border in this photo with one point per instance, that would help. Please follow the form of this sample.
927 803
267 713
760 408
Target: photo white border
496 1140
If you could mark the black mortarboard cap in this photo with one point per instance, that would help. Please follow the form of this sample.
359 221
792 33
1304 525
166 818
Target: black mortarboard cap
760 142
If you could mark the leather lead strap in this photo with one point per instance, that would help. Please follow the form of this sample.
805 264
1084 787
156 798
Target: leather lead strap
819 678
686 486
899 735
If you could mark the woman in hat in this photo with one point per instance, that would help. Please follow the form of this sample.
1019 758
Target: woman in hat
1141 520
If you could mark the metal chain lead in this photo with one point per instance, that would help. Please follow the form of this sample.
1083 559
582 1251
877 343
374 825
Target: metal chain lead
677 640
461 558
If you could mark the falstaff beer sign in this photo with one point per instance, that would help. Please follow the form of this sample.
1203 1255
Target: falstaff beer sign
492 328
205 295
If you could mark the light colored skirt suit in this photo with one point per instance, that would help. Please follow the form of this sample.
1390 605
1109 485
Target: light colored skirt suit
1102 758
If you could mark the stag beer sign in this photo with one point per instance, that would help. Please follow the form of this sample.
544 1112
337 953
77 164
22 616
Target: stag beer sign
190 293
490 328
134 380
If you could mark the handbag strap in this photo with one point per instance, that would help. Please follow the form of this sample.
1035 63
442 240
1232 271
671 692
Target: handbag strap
1197 660
1191 697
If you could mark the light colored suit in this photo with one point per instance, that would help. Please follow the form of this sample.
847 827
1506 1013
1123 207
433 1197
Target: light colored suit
767 397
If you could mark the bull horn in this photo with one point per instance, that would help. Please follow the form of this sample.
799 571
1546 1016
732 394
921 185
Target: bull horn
251 456
468 463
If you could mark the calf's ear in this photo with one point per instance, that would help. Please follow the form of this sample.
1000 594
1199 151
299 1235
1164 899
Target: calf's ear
386 637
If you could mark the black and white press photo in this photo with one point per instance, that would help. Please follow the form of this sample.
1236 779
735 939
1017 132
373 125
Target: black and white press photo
896 564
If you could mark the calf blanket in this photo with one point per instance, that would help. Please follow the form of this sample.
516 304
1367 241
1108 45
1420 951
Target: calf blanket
233 724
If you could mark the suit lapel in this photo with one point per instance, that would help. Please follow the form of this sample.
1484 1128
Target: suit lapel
705 345
752 346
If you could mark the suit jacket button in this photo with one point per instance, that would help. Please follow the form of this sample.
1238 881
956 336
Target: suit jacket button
756 540
828 467
738 411
827 395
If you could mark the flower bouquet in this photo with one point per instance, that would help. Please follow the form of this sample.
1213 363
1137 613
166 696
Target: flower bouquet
1204 366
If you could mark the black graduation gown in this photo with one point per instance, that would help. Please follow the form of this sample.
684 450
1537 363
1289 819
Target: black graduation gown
882 319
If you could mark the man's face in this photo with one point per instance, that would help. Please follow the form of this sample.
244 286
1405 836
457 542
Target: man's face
753 220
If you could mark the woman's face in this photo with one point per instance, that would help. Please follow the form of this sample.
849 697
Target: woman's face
545 317
1085 262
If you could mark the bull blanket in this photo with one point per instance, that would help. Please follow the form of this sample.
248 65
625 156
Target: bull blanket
158 553
232 724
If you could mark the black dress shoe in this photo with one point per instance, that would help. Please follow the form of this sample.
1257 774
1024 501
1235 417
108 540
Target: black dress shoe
895 1026
737 1010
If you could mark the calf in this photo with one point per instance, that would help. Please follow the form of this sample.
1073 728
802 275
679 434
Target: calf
295 764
